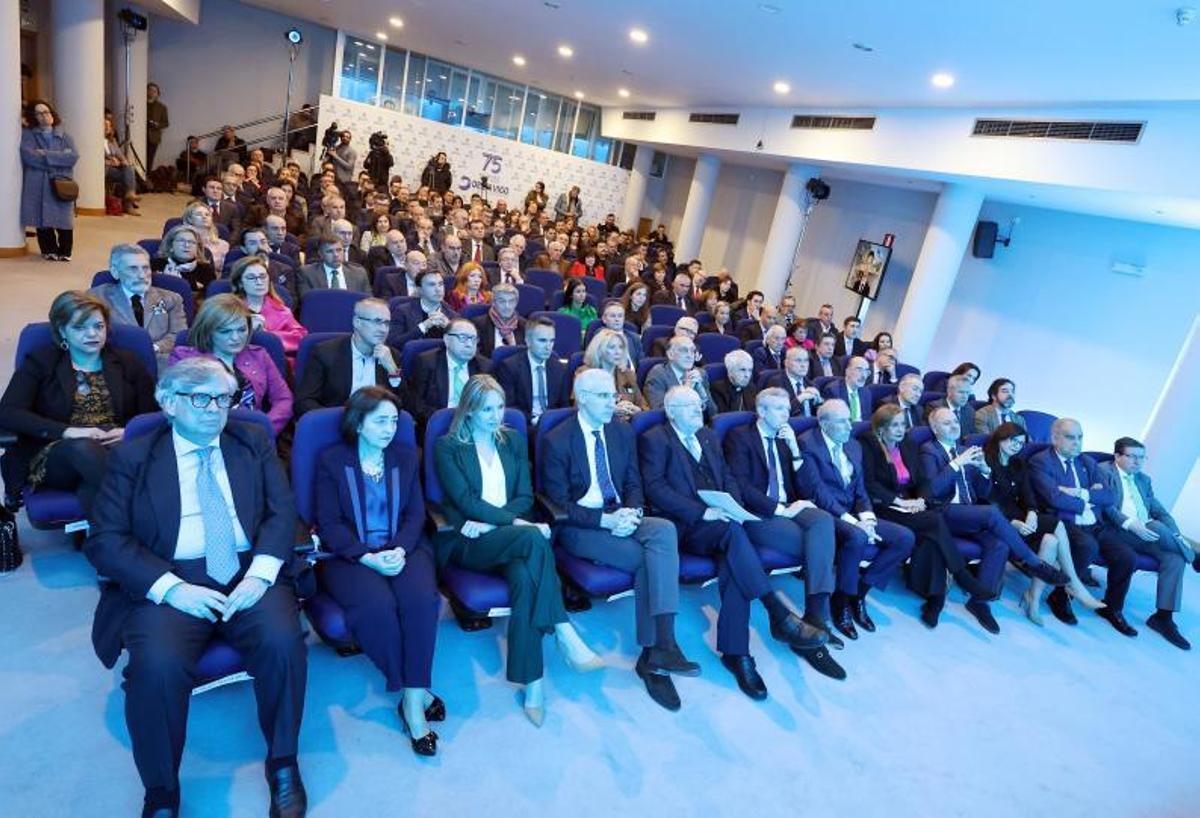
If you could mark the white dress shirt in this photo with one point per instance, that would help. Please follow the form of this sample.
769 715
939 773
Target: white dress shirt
341 277
190 543
494 489
594 498
1088 517
362 369
847 469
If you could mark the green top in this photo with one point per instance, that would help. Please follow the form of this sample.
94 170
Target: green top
586 315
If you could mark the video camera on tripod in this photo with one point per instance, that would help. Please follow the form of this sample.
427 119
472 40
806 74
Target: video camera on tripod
330 139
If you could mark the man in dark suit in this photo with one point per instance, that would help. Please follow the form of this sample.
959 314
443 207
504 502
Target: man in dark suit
958 400
509 270
757 330
957 482
679 369
331 272
629 273
351 252
402 281
612 316
850 389
680 294
822 325
535 381
279 240
1143 524
1068 483
803 396
390 254
509 330
883 368
474 248
439 375
765 460
678 459
848 343
427 317
770 355
840 490
823 362
736 393
908 398
285 277
589 469
687 327
496 237
192 528
224 212
450 259
339 367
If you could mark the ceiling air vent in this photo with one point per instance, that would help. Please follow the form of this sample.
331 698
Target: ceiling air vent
1127 132
715 119
647 116
835 123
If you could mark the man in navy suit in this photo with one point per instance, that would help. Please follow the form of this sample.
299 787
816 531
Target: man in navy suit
770 354
427 317
804 398
848 343
908 398
839 489
958 398
589 469
535 381
678 459
823 362
1070 484
851 389
765 460
958 482
339 367
192 529
439 375
402 282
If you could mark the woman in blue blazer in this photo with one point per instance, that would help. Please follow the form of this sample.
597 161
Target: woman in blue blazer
370 513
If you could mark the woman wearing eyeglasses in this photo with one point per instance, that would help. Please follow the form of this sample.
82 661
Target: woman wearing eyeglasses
251 280
68 402
180 253
222 331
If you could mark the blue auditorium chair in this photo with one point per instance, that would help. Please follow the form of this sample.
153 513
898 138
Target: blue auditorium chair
714 347
304 351
665 315
412 349
530 299
643 369
1037 424
549 280
568 332
329 310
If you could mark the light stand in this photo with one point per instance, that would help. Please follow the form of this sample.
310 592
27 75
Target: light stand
129 30
294 41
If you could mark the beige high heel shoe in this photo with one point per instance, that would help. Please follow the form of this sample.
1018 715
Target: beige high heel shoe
1031 605
1080 594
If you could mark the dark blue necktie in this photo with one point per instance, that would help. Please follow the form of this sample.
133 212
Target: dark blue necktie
607 490
772 470
964 488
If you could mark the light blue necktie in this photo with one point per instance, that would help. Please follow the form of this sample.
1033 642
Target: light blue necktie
220 555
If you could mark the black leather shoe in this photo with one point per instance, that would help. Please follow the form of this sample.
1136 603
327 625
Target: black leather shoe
743 669
843 621
930 612
1060 606
1117 620
160 812
1167 630
858 609
983 614
967 581
797 633
822 663
288 798
426 745
658 685
1048 574
832 640
436 711
671 660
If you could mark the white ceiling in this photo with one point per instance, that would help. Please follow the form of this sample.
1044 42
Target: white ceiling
730 52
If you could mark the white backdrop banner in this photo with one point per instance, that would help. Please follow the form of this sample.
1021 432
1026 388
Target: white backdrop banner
511 167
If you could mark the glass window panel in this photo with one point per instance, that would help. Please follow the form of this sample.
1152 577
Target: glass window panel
507 110
458 95
533 105
360 71
566 119
602 149
416 85
435 101
481 103
581 144
393 79
546 118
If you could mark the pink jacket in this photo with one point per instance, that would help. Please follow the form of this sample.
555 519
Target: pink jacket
280 321
256 366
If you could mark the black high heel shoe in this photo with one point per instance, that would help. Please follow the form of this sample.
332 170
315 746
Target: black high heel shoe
426 745
436 711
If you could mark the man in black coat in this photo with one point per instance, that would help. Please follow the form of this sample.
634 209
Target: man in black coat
439 375
491 335
535 381
340 366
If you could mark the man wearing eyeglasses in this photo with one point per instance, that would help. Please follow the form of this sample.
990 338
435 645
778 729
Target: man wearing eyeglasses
679 370
427 317
338 367
190 530
439 375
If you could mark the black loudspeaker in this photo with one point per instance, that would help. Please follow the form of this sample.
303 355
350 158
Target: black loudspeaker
985 240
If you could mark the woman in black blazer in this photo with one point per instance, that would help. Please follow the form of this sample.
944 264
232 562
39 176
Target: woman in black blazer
1012 492
180 253
892 473
69 402
483 467
370 513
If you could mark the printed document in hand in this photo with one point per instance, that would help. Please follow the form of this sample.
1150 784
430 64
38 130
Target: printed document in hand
724 501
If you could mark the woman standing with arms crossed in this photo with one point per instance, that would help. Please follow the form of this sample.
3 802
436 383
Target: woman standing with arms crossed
47 153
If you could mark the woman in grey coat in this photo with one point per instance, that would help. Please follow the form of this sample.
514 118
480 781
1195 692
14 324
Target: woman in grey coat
47 152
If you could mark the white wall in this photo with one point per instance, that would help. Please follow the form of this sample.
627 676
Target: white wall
233 68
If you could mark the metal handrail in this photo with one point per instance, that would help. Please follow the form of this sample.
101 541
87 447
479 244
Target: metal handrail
274 137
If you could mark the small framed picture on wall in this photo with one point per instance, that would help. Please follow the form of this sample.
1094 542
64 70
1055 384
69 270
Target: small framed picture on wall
867 268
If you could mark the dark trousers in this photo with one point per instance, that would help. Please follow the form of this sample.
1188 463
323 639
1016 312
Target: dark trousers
933 551
740 578
1120 549
535 597
809 537
151 150
164 645
77 465
393 619
55 241
984 525
896 544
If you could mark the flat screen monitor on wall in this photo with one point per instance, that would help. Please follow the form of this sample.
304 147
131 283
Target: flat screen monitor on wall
867 268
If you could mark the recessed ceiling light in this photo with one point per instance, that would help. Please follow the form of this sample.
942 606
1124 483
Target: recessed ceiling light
579 95
565 51
862 47
782 87
370 47
396 22
942 80
623 93
768 8
518 59
379 35
638 35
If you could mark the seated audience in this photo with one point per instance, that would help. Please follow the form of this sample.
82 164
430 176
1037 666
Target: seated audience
331 272
805 398
679 370
339 367
470 286
509 271
727 288
250 280
823 362
221 331
440 375
736 393
822 324
797 336
612 316
279 240
1002 396
343 230
958 400
751 307
786 311
391 254
68 403
686 327
851 389
680 294
908 398
535 381
371 517
770 354
376 233
722 323
882 341
213 248
636 300
449 261
224 212
575 303
179 255
282 275
132 300
629 273
186 557
501 325
483 467
841 490
757 329
679 458
883 366
402 282
426 317
849 345
587 264
473 245
609 351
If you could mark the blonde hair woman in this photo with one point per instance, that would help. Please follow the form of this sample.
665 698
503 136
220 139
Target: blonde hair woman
608 350
198 216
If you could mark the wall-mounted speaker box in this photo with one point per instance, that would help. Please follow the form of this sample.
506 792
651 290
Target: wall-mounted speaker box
985 240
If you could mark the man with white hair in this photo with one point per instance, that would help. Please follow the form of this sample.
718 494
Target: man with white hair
678 370
687 327
136 303
351 252
736 392
389 254
770 354
794 380
851 388
908 398
509 271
